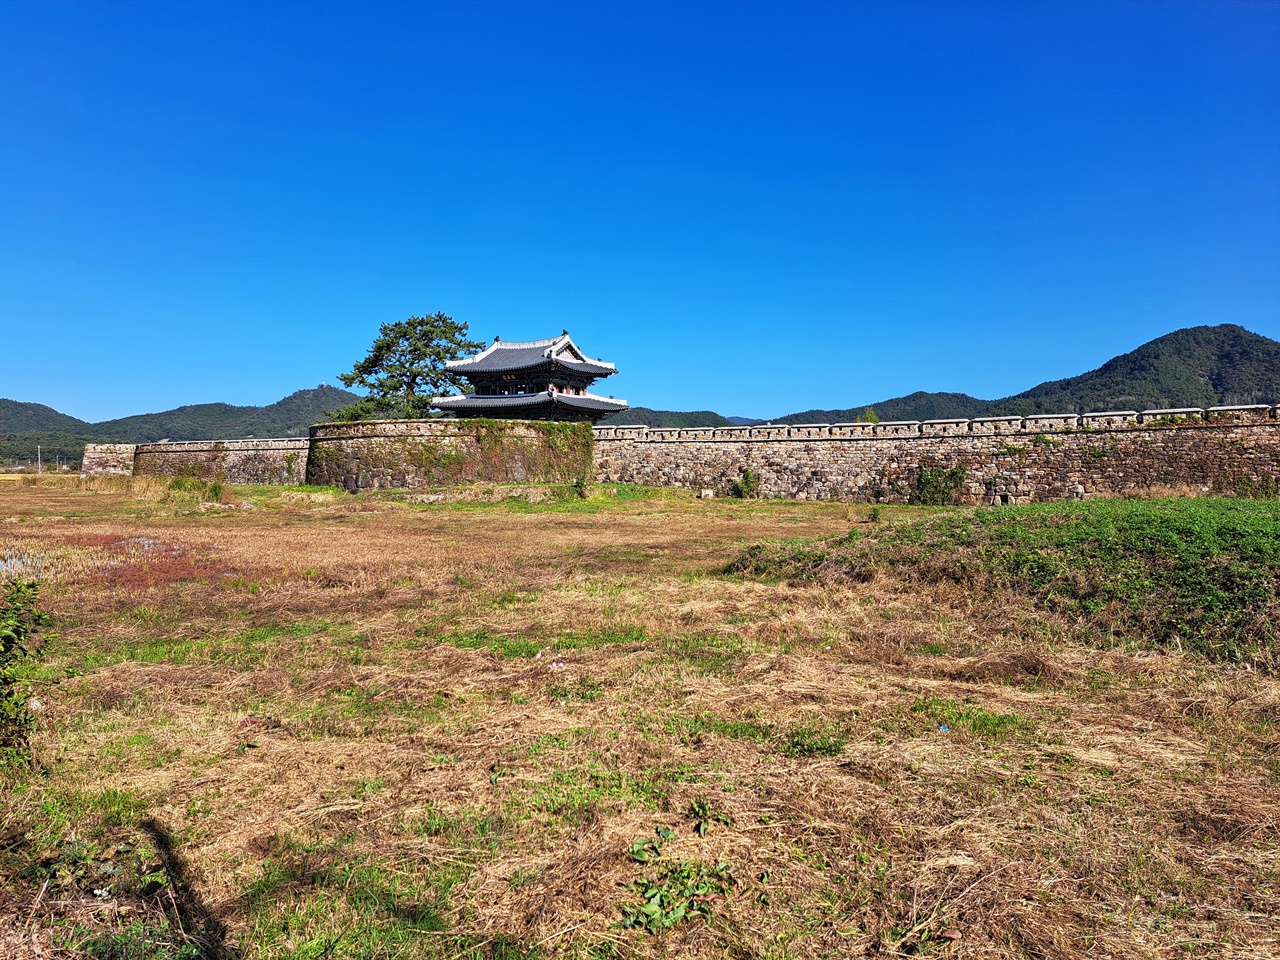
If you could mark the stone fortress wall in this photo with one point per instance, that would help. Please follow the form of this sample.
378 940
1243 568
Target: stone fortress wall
1004 459
281 462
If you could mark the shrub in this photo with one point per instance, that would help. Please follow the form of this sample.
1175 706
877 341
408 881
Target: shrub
746 487
936 486
21 625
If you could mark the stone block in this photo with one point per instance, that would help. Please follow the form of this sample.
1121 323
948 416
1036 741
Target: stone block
943 428
1109 420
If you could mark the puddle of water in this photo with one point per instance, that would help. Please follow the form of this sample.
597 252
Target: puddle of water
27 564
149 546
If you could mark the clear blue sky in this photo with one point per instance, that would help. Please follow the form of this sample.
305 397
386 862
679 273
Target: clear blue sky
750 208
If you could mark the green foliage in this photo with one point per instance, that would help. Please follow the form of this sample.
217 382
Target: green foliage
678 891
868 416
937 486
703 815
405 368
644 849
1193 367
812 742
747 486
21 635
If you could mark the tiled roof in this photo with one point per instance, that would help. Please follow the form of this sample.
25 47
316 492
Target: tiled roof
520 355
587 402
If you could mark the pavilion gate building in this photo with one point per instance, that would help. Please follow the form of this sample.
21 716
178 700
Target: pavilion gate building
532 380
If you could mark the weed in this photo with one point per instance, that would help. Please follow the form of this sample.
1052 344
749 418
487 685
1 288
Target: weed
644 849
22 626
701 811
981 723
936 486
811 742
678 891
747 486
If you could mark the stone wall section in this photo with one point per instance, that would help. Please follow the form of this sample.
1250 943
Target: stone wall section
1005 459
280 462
413 454
108 460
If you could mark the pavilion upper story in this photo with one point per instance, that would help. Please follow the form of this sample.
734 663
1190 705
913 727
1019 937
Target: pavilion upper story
532 380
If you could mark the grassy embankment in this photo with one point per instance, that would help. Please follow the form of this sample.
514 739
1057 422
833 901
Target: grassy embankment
307 724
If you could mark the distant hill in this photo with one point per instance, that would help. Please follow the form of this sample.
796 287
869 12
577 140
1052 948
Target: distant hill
666 418
916 406
24 425
1194 367
16 417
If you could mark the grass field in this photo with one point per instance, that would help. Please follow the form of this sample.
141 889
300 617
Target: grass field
296 723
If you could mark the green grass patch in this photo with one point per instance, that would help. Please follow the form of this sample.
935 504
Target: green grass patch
693 730
812 742
1202 575
530 646
969 717
246 648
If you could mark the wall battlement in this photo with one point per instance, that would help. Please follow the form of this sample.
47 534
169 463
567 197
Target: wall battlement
985 426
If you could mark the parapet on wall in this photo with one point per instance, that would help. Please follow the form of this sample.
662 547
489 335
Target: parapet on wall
278 462
1005 459
381 454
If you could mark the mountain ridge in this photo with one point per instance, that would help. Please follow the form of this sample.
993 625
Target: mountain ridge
24 426
1201 366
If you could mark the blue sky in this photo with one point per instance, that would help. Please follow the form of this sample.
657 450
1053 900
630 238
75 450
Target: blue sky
750 208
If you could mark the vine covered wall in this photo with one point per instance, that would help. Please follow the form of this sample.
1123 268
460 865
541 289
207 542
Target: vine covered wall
409 454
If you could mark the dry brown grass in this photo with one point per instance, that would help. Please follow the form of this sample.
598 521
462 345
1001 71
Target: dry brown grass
332 707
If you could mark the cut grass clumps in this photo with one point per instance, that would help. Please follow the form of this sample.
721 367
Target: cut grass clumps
1200 575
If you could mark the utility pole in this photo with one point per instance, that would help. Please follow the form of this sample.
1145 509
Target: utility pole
38 466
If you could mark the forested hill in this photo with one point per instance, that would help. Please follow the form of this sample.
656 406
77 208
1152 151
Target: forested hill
289 417
23 426
916 406
17 417
1194 367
